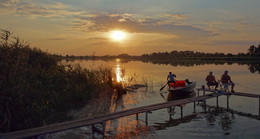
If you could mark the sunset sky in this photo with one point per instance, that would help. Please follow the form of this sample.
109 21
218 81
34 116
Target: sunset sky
86 27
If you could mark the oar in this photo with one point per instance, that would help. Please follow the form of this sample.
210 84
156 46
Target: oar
163 96
163 87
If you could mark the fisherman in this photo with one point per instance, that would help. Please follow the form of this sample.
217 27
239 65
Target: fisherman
226 80
170 78
211 81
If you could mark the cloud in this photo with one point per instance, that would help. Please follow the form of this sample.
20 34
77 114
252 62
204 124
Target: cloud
31 9
235 42
97 39
175 16
104 22
55 39
136 24
5 6
172 24
244 24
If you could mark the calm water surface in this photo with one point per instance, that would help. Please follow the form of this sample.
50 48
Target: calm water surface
215 123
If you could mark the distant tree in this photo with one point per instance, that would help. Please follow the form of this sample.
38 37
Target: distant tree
229 55
124 55
252 50
242 54
258 50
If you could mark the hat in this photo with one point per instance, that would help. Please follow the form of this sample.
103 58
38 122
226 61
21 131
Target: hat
226 71
210 72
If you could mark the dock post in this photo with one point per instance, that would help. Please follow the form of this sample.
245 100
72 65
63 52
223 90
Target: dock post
194 107
259 107
203 92
170 110
104 128
217 101
198 94
205 105
93 131
181 111
146 118
227 102
137 116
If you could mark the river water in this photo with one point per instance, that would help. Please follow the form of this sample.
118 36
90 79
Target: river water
241 122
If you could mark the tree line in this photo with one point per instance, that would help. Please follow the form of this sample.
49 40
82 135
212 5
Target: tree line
251 52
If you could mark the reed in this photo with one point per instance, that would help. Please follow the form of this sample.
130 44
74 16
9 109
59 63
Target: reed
37 89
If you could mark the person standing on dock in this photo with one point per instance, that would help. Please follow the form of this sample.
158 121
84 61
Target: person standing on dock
226 80
170 78
211 81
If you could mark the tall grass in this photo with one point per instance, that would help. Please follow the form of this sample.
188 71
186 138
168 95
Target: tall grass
36 89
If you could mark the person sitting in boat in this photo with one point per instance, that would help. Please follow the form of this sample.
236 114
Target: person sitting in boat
211 81
226 80
170 78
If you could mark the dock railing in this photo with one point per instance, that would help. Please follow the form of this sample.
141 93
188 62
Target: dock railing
228 94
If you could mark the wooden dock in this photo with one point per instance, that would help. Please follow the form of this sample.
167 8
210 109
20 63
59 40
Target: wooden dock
228 94
34 132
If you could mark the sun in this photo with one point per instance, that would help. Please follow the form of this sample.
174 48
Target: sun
118 35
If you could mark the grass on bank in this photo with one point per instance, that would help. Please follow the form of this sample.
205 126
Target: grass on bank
36 89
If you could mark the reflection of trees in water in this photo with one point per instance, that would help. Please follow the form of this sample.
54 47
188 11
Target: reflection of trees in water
174 122
254 67
215 115
226 119
187 63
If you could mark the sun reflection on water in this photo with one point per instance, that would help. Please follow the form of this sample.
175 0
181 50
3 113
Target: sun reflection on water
118 70
118 74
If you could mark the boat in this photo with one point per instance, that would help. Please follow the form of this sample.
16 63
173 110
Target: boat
182 87
181 90
173 96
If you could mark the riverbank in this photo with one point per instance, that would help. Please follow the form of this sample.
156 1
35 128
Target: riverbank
37 89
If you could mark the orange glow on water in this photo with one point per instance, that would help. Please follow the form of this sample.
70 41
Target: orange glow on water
119 71
118 74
